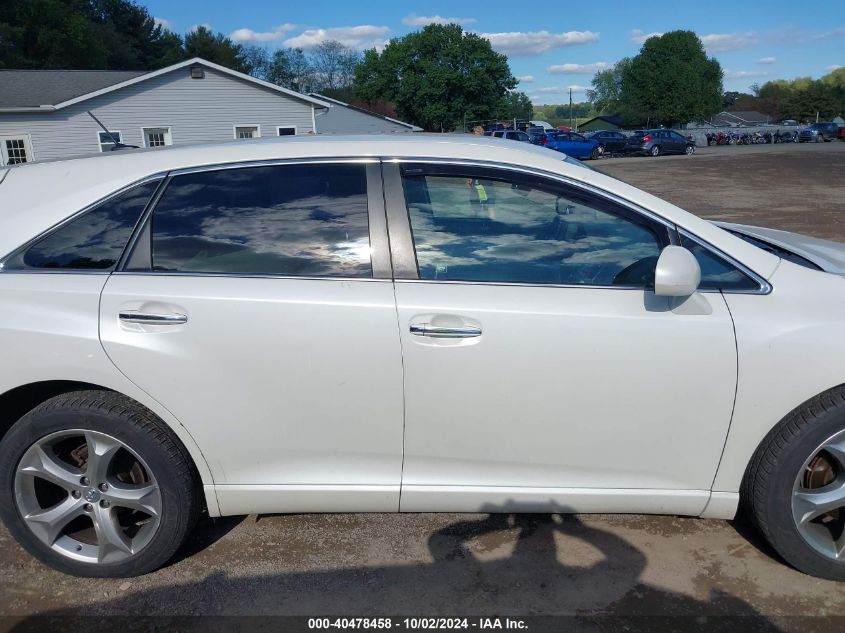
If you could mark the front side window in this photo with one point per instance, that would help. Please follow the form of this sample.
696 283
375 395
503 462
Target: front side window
717 273
94 240
304 220
522 229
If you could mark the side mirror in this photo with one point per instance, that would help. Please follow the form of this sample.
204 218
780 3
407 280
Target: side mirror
677 273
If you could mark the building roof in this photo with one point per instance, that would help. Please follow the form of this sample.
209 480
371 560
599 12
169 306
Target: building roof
49 90
613 119
337 102
741 117
33 88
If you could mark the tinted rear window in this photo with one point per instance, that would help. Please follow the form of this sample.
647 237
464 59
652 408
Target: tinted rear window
93 241
305 220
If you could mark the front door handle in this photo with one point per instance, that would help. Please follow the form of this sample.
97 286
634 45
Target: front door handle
437 331
147 318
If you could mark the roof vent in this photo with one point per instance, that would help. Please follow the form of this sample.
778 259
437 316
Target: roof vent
197 72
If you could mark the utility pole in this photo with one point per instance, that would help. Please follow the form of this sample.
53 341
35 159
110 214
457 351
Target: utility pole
570 108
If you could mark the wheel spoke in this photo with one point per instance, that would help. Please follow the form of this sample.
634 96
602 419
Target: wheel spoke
808 504
112 542
101 451
48 524
144 498
38 463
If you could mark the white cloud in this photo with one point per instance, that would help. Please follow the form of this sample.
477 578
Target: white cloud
525 79
721 42
766 60
833 67
248 35
196 26
163 23
578 69
578 88
639 37
547 90
356 37
744 74
518 43
422 20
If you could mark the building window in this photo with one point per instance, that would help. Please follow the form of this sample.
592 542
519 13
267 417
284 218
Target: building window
157 136
247 131
106 141
15 150
286 130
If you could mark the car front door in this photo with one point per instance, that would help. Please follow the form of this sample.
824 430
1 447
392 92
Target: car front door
540 369
257 307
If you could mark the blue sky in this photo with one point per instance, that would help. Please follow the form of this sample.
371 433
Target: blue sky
550 49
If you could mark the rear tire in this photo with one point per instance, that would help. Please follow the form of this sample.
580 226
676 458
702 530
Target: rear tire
794 488
595 154
125 484
655 151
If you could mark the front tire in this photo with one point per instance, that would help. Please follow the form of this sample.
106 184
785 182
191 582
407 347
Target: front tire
690 150
596 153
93 484
794 489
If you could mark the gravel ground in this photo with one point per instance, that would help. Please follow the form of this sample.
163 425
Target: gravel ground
449 564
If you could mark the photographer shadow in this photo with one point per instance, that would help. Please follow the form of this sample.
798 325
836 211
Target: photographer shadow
505 564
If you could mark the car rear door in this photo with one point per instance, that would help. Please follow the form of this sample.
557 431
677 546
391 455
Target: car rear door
540 371
257 307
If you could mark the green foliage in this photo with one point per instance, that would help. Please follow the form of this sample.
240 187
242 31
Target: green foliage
290 68
218 48
606 94
437 77
672 80
84 34
802 99
731 98
514 105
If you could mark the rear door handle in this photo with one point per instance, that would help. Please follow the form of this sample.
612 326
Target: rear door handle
147 318
436 331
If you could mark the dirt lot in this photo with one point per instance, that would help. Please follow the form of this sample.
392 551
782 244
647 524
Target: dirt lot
791 186
592 567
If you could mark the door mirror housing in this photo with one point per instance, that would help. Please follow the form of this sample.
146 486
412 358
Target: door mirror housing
677 273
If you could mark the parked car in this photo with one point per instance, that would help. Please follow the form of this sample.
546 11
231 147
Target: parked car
657 142
818 132
320 324
512 135
842 133
609 140
789 123
573 144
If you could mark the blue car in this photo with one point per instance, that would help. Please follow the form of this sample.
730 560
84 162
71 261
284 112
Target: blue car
573 144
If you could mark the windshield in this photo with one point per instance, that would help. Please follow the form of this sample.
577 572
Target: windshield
776 250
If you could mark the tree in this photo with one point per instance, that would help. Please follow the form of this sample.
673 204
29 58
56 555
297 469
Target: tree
84 34
514 105
256 59
334 65
290 68
671 80
732 98
201 42
606 94
437 77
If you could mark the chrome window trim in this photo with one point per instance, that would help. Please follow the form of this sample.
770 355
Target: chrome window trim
764 286
268 162
90 207
153 273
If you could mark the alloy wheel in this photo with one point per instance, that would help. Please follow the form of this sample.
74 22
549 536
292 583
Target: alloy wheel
818 499
87 496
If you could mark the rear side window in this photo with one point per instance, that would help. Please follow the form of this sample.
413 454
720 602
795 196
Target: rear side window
717 273
302 220
93 241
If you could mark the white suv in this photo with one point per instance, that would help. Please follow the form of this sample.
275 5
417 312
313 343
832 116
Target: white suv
419 324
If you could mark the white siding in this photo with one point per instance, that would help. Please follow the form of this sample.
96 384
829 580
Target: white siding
195 110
